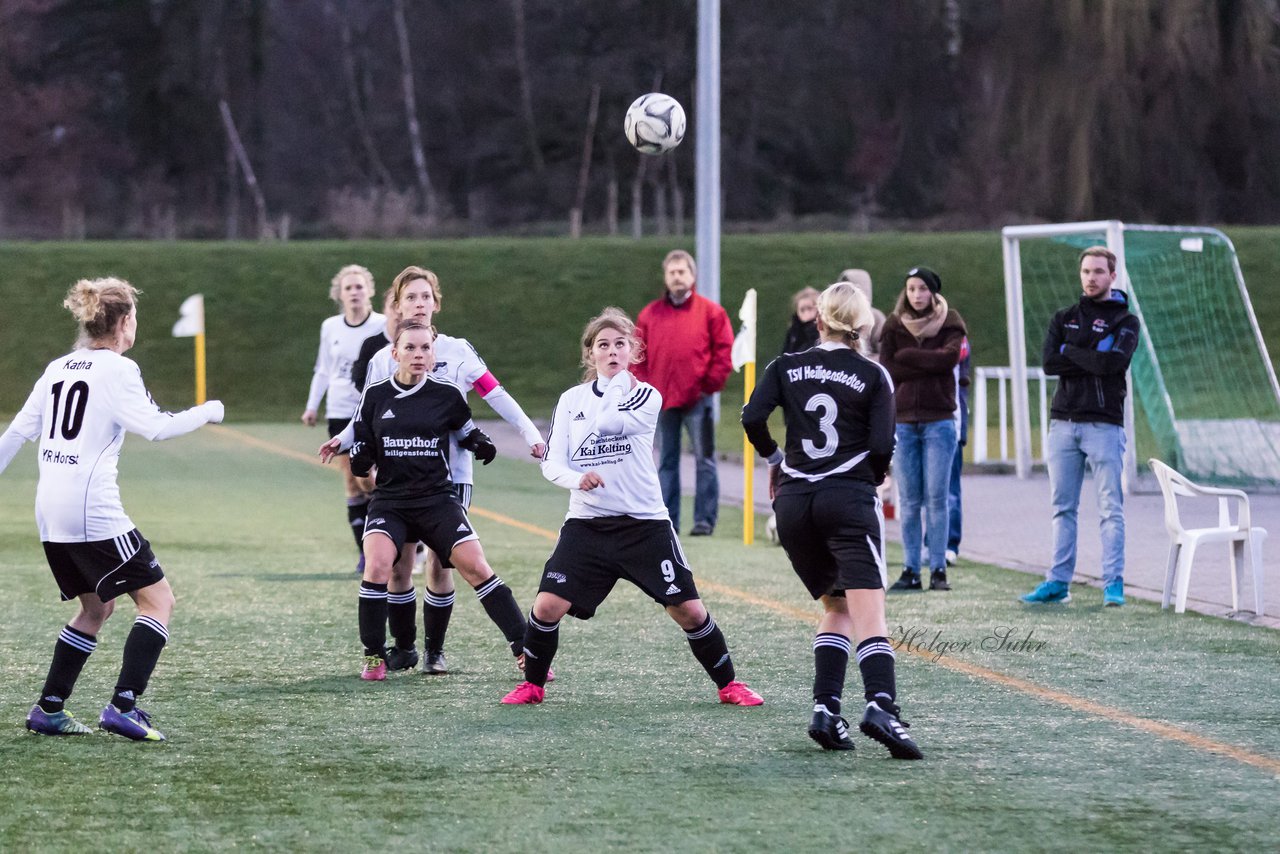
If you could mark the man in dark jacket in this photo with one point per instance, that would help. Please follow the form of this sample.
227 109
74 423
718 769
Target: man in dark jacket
1089 347
687 340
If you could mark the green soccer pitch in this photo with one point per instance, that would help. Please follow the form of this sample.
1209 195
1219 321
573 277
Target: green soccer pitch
1057 729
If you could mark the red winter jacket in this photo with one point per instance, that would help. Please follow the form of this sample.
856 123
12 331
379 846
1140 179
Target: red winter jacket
686 349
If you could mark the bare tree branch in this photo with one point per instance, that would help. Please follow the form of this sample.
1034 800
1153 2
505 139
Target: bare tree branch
584 171
251 180
429 200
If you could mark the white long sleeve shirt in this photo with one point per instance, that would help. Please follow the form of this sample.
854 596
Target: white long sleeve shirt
79 410
340 344
607 429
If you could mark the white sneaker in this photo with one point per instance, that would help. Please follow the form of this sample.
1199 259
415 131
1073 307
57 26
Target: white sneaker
951 557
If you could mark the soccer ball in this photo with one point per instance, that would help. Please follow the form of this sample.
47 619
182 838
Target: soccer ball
654 123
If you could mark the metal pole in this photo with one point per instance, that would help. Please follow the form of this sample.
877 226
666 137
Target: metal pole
707 125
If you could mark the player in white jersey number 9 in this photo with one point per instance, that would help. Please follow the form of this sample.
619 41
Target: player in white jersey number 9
601 450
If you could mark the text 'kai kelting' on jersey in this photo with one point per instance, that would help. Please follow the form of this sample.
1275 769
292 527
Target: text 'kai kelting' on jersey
607 428
79 411
838 408
405 433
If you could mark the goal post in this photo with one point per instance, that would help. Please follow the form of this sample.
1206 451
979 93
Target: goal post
1204 396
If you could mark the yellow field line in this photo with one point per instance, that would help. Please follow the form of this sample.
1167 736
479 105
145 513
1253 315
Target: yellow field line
1088 707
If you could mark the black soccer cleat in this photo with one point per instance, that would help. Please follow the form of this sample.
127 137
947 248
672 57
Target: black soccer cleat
881 722
830 731
401 659
435 665
938 580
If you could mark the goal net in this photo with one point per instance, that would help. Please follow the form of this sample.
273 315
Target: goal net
1204 394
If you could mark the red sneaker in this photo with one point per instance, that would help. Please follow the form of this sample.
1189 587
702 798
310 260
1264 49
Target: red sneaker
375 669
739 694
525 694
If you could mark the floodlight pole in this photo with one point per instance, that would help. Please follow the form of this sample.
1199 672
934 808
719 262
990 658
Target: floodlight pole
707 127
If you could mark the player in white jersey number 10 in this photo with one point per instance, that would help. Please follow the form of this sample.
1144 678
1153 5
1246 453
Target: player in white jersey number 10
79 411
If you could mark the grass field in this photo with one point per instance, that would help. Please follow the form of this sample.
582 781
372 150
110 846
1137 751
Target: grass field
1109 730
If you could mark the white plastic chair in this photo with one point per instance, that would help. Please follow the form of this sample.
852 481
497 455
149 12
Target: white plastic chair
1184 541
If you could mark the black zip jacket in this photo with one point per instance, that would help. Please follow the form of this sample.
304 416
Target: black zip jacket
1089 347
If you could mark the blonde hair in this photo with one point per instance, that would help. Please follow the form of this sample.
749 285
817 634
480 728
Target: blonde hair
844 311
803 294
409 274
98 305
611 318
410 326
335 286
681 255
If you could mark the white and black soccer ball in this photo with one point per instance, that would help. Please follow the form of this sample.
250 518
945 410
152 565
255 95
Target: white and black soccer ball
654 123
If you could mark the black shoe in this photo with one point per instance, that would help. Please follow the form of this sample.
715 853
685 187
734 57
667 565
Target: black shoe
401 659
881 722
907 581
938 580
435 664
701 529
830 731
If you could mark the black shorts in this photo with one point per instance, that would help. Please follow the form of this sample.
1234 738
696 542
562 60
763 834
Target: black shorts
834 537
441 524
336 426
106 567
592 554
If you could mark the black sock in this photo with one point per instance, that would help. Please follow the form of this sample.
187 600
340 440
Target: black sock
707 643
540 643
875 660
830 661
141 652
500 604
402 617
70 652
437 608
373 617
356 509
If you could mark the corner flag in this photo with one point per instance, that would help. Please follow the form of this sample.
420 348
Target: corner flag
743 355
191 325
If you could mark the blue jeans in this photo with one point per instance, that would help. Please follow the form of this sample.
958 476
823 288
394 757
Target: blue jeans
922 467
1071 443
955 512
699 421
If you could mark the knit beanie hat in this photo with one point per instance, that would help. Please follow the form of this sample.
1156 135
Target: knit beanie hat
931 279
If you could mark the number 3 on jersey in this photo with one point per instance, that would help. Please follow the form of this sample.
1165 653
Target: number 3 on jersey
73 409
826 423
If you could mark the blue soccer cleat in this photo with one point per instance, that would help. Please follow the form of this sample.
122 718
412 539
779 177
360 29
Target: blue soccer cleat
54 723
135 725
1113 594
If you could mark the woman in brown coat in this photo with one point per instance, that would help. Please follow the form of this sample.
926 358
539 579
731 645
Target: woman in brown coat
920 348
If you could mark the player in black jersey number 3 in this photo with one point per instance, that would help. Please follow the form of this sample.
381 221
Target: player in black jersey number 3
403 427
838 408
601 450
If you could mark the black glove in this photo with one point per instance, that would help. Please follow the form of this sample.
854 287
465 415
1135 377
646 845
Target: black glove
481 445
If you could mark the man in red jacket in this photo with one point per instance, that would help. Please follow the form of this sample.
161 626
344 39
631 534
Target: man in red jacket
687 341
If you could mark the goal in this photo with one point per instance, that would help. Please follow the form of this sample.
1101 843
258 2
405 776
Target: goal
1204 397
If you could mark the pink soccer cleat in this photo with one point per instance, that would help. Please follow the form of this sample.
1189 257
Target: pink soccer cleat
525 694
739 694
375 669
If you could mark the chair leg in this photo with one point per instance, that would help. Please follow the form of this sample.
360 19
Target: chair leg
1170 573
1184 575
1255 560
1236 555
